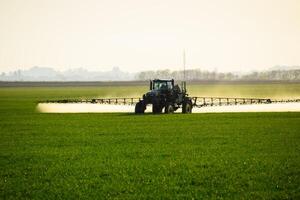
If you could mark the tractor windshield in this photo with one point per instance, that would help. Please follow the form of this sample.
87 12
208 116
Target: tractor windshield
162 85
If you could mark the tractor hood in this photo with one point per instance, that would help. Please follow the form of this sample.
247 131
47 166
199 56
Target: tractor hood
152 93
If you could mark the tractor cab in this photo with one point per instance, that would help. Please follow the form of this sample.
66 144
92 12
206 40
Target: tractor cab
160 85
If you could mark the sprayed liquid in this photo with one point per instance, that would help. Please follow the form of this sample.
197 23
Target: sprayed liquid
105 108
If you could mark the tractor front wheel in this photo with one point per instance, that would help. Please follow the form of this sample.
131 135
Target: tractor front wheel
156 108
169 109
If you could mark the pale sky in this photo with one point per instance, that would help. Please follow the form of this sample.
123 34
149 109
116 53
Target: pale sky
140 35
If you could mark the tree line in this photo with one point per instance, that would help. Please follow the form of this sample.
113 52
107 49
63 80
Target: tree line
199 75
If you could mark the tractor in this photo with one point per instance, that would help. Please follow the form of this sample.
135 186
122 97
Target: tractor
164 95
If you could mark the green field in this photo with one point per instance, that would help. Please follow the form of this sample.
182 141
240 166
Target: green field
124 156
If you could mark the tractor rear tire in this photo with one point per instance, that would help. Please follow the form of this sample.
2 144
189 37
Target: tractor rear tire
187 107
169 109
140 107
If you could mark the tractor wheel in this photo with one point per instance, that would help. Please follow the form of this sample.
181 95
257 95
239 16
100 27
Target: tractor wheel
187 107
140 107
156 109
169 109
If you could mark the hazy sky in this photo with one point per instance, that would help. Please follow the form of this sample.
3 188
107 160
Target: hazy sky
141 35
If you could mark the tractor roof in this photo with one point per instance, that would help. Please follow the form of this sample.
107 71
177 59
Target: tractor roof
163 80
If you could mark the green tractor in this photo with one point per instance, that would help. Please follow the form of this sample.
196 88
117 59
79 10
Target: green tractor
164 95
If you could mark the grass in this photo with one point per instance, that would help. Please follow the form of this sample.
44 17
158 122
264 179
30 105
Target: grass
124 156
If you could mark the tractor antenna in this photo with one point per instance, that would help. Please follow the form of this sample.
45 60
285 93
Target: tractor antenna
183 64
